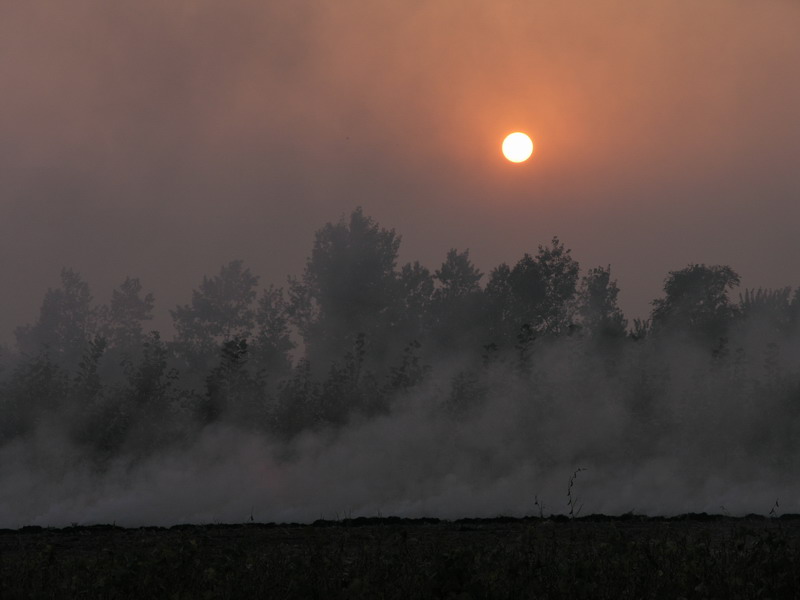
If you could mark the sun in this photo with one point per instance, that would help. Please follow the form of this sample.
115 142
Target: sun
517 147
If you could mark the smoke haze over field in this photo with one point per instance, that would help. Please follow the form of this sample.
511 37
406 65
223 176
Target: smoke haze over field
161 140
695 411
714 447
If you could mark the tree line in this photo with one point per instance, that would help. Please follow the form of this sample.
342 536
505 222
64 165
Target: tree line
356 334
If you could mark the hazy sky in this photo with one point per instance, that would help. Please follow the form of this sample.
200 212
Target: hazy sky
163 139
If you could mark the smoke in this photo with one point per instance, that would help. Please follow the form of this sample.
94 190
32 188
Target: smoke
660 428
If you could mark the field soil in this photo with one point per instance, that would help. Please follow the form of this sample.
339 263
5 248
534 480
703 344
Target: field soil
693 556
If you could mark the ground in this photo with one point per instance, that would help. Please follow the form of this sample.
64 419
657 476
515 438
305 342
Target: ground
693 556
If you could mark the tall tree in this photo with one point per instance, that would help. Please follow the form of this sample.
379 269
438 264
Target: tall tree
231 390
538 294
221 310
600 316
349 286
273 337
417 291
457 278
67 321
560 273
696 302
122 321
457 303
515 297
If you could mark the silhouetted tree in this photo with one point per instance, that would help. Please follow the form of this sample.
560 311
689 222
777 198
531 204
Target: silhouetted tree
87 383
139 417
599 314
349 286
340 394
457 278
457 304
36 387
350 388
122 321
560 273
161 411
67 321
297 404
417 286
221 310
87 401
524 349
640 329
411 371
151 381
539 292
231 390
273 339
514 297
770 309
696 302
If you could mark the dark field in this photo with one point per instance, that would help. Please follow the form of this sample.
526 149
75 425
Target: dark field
695 556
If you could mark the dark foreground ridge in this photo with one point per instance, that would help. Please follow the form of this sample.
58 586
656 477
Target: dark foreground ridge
410 522
596 556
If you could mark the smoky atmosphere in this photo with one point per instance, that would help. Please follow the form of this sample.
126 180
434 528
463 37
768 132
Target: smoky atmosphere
288 261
